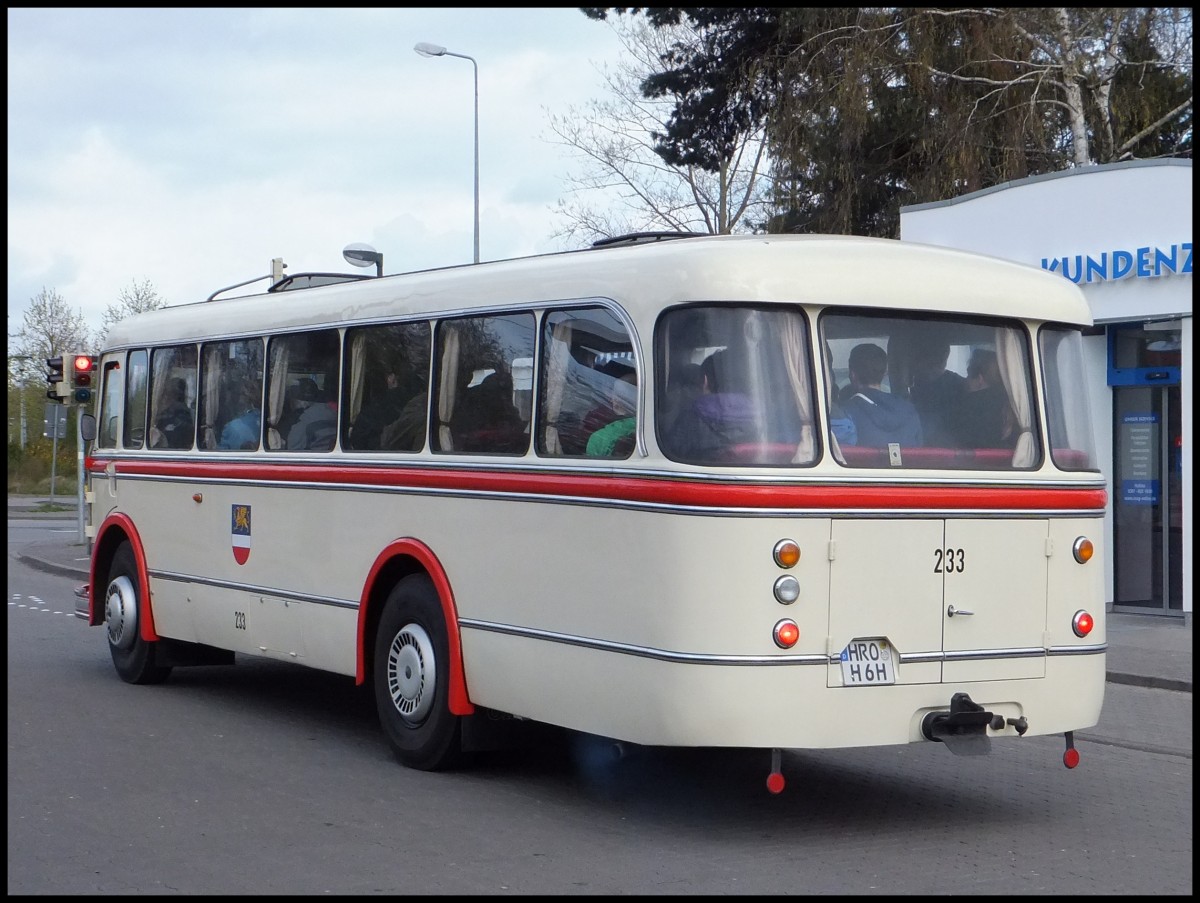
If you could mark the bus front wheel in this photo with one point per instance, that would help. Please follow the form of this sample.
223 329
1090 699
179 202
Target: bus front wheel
412 678
133 657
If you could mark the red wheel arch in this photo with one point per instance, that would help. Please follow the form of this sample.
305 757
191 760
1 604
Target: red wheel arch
123 524
459 700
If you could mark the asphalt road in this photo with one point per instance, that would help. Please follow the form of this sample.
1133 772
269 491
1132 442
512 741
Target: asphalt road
267 778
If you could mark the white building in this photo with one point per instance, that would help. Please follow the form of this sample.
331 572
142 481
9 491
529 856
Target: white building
1123 233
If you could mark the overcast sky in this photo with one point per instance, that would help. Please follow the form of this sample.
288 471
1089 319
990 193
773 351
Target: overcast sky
189 147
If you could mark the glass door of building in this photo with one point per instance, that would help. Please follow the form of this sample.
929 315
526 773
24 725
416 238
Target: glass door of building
1147 480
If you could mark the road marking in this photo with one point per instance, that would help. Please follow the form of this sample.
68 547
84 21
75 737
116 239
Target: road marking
36 607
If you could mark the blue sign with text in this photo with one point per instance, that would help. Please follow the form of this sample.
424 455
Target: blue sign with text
1139 492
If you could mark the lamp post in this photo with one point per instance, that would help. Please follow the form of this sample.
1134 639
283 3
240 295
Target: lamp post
437 50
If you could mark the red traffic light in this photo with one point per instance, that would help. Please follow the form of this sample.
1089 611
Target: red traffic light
83 364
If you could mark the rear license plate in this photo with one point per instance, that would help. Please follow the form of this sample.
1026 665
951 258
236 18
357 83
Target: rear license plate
868 663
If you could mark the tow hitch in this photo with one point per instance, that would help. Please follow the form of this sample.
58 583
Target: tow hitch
964 728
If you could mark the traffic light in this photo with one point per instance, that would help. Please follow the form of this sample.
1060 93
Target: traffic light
54 377
82 367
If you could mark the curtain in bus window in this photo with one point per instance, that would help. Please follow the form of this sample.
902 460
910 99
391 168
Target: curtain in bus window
1010 356
448 386
212 393
277 396
837 417
136 399
795 359
556 378
160 367
358 369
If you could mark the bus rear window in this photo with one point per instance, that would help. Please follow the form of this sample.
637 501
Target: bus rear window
929 391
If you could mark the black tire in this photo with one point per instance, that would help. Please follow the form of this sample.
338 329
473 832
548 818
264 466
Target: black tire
411 678
134 658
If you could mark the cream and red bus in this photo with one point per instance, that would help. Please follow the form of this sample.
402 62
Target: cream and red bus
779 492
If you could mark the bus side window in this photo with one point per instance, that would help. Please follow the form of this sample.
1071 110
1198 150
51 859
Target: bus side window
110 406
173 397
478 359
385 387
302 391
231 380
585 352
136 394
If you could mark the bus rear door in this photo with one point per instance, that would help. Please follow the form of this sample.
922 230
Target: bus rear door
932 600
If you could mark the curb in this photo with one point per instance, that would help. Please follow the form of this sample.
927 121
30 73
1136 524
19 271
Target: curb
50 567
29 514
1154 683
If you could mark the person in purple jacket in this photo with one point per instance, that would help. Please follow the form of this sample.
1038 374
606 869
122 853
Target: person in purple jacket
722 416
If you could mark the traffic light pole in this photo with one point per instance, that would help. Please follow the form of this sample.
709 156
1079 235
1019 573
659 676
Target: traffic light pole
53 464
79 470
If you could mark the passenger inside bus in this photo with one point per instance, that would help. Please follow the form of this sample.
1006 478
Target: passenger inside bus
607 411
407 432
880 417
615 439
722 416
242 431
685 383
382 411
984 418
485 418
316 427
175 426
936 392
841 424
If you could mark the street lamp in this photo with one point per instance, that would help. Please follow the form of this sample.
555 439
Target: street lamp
363 256
437 50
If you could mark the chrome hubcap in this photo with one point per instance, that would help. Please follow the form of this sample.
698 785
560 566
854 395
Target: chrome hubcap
120 613
411 673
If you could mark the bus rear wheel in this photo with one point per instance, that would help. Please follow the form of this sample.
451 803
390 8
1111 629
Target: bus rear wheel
133 657
411 678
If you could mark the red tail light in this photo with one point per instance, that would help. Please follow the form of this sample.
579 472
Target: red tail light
1082 623
787 634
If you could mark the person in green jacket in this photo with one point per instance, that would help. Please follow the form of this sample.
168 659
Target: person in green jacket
616 439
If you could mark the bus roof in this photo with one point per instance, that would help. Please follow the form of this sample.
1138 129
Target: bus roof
645 277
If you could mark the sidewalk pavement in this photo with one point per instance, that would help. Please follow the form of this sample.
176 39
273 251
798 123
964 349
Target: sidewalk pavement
1144 650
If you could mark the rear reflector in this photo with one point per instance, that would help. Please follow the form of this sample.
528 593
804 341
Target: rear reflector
1082 623
787 634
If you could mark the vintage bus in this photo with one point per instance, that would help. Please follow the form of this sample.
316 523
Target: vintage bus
774 492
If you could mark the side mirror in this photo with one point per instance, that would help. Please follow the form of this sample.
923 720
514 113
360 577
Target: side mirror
87 427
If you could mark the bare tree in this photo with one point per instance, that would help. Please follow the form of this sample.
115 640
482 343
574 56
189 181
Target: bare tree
136 298
868 109
1072 60
49 328
625 186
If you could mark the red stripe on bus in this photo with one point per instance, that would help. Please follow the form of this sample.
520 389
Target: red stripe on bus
635 489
